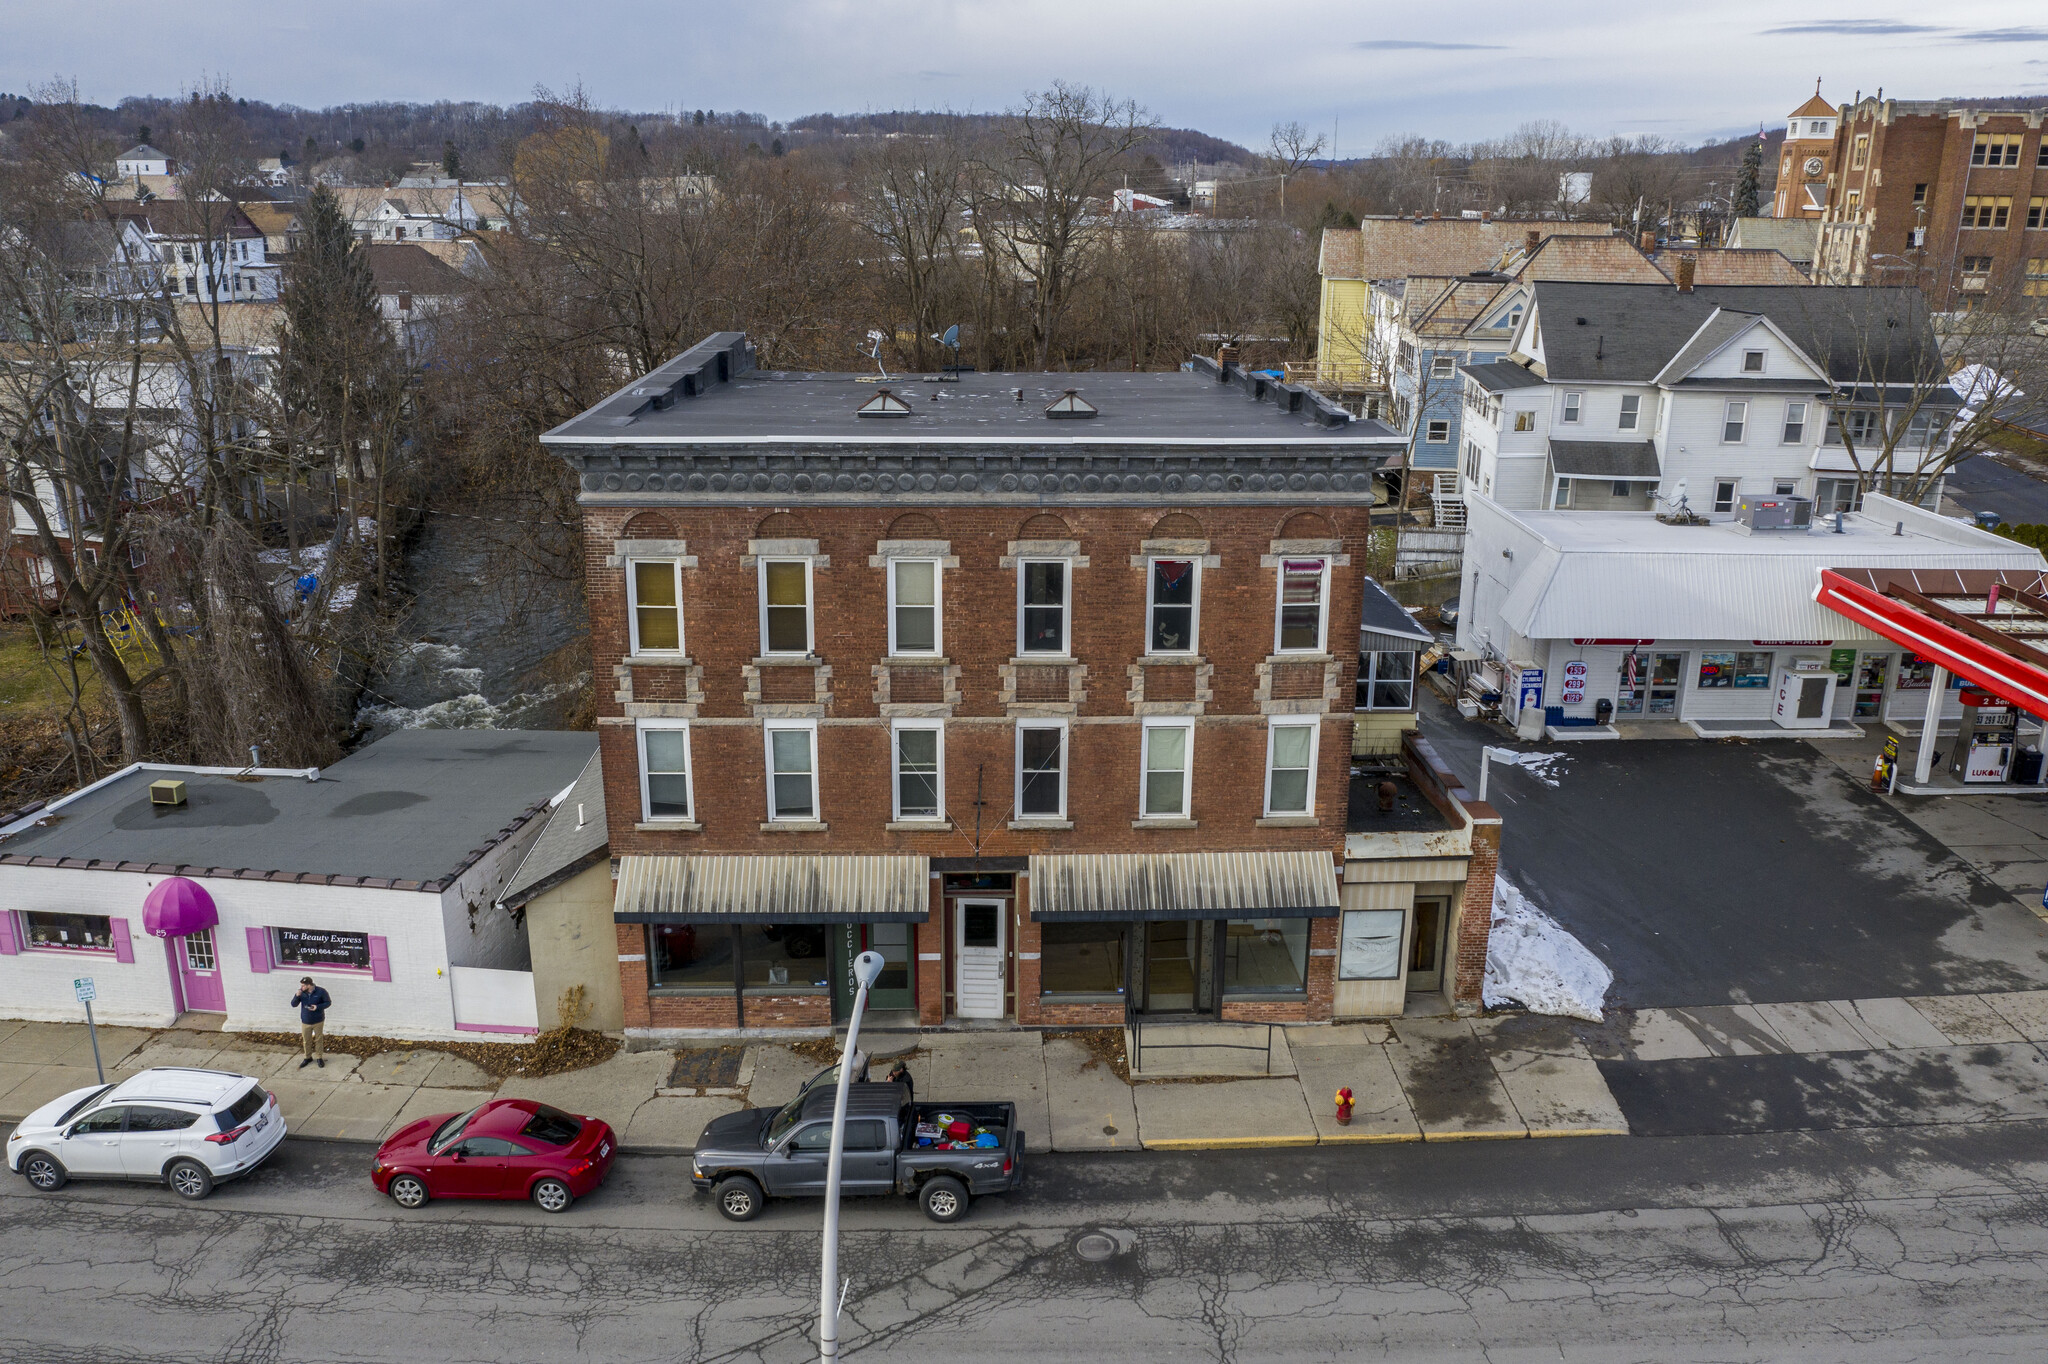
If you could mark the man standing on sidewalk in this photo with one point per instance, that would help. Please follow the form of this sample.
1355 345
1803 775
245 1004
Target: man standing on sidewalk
313 1002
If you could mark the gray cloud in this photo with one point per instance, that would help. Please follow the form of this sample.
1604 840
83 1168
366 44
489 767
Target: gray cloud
1404 45
2005 35
1856 28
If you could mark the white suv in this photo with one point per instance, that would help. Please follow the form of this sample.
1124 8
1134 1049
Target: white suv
190 1129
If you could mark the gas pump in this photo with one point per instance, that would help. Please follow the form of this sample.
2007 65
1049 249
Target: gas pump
1985 742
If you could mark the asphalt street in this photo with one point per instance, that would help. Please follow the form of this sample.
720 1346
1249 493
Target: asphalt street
1985 484
1854 1246
1751 873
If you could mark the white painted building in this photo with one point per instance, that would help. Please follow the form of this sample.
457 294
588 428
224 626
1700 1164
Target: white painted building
1622 616
143 159
202 252
1621 397
377 876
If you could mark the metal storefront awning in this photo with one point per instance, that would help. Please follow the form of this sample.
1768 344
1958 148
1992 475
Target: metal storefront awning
1131 886
819 888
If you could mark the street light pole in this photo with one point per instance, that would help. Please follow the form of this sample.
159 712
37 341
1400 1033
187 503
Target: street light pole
866 967
1489 752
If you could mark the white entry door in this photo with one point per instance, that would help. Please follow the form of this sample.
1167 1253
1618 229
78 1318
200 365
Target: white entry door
978 958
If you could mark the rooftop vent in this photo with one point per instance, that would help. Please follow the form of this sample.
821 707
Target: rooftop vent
167 793
1070 404
883 404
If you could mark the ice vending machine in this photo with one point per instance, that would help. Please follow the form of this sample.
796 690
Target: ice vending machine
1806 695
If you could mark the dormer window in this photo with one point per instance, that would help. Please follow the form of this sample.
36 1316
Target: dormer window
883 404
1070 405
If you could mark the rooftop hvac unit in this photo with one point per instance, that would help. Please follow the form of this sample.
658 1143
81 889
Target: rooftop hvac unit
1774 513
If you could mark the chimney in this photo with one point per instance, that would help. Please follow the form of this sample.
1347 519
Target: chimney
1648 241
1532 240
1226 355
1685 269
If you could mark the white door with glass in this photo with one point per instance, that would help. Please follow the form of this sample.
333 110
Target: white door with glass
978 958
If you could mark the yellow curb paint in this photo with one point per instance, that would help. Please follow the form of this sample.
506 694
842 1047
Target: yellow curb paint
1222 1143
1362 1138
1578 1132
1521 1135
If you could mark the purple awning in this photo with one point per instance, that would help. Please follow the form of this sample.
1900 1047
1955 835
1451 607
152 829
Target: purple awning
177 907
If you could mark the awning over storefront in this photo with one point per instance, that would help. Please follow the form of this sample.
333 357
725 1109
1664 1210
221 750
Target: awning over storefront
177 907
1994 639
819 888
1126 886
1633 460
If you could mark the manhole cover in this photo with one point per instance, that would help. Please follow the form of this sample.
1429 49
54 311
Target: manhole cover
1095 1246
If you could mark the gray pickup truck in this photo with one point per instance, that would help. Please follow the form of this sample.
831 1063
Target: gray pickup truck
748 1157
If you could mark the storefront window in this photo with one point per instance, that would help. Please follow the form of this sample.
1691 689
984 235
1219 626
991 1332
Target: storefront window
1265 956
1735 669
689 957
68 932
785 958
1370 948
1917 674
1081 959
322 947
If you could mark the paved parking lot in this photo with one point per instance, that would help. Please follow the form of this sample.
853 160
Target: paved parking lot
1763 872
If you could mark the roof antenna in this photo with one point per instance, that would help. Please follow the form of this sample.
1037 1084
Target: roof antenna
951 341
874 351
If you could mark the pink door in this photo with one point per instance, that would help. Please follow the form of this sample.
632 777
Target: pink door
199 971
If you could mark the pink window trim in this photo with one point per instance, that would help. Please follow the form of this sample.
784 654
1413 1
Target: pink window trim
496 1027
77 951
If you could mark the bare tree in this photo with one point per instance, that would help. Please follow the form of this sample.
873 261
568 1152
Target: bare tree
911 194
1040 189
1288 149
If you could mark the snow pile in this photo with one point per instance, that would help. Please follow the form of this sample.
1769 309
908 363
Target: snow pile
1533 962
1544 767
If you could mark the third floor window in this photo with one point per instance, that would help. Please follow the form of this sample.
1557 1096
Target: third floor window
1304 586
1042 606
785 606
914 606
1171 597
657 606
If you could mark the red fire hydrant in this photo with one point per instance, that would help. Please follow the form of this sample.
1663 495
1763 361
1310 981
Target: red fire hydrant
1344 1105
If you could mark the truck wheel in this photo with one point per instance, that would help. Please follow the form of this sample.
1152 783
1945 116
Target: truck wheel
739 1198
944 1199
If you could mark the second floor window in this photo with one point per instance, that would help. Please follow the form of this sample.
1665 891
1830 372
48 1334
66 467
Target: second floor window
1572 403
664 770
785 606
1041 771
657 607
1042 606
1795 423
1525 421
1631 410
1290 768
919 772
1443 366
1439 431
1170 606
1165 793
1386 680
792 772
913 606
1734 421
1304 584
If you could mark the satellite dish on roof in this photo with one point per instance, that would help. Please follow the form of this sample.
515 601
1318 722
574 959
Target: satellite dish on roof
951 341
874 351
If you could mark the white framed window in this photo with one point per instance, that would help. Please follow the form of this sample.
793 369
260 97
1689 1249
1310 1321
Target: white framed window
1631 410
1573 404
919 749
914 606
1168 763
665 789
655 587
1752 362
1300 613
1291 767
1173 603
1725 490
1443 366
1044 588
1734 422
1562 498
1525 421
1439 431
1795 424
1041 770
1785 487
792 770
786 606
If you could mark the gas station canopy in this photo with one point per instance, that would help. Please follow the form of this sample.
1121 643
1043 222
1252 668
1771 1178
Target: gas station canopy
1986 626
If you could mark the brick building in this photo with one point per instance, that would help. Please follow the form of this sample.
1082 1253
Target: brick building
1953 198
1046 696
1806 163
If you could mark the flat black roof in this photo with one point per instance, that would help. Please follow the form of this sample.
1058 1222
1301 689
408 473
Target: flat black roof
418 805
711 395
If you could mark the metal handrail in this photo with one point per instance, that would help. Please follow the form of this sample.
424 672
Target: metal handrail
1136 1024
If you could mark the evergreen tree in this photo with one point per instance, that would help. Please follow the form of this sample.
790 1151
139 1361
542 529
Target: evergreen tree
451 163
1748 184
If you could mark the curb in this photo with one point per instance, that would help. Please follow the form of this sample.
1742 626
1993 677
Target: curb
1223 1143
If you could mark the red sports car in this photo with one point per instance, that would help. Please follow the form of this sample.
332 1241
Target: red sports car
507 1148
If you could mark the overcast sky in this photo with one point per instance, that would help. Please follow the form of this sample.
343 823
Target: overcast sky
1453 69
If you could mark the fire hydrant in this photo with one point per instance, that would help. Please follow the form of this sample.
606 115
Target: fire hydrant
1344 1105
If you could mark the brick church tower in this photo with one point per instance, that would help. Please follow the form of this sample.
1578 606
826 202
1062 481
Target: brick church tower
1807 164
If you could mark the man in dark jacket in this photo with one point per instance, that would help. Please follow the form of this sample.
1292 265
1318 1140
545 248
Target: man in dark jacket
313 1003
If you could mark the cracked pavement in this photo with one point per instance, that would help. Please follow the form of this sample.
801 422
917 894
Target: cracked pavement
1865 1246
